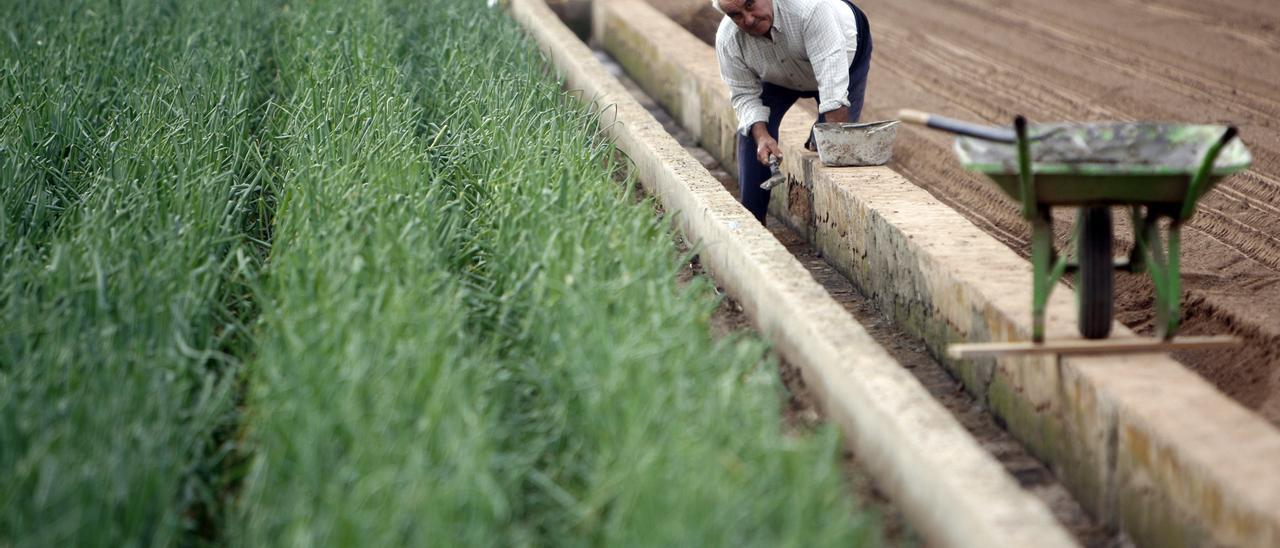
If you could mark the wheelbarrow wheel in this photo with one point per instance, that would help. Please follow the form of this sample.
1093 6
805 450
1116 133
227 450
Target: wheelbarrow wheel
1096 281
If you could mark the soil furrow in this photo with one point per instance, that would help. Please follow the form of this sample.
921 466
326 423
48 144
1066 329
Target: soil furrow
1229 219
1090 31
1258 19
1234 234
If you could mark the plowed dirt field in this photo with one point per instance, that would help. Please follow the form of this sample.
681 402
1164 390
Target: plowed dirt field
1211 61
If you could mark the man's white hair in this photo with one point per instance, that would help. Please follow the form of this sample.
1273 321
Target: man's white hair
716 4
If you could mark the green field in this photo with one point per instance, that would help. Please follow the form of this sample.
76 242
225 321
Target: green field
356 273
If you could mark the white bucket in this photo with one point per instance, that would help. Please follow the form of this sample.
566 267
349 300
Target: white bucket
855 144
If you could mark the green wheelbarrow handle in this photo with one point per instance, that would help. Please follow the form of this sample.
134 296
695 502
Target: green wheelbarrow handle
1201 177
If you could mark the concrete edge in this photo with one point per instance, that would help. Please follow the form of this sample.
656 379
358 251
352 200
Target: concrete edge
1142 442
951 490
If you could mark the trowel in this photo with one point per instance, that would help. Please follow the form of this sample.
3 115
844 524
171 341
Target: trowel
776 176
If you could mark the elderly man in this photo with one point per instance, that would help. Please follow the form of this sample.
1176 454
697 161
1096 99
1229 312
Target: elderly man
773 52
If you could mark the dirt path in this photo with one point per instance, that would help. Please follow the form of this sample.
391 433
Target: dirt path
1184 60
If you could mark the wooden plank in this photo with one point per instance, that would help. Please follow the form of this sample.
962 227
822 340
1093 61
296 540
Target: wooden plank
1126 345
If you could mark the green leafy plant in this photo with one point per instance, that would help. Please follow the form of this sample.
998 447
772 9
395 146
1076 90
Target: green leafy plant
356 273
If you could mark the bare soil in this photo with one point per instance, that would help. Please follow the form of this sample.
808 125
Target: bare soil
1205 61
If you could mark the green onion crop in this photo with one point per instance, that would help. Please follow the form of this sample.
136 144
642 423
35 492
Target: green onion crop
473 334
132 201
356 272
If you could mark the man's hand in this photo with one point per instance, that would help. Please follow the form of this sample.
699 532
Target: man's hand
837 116
766 145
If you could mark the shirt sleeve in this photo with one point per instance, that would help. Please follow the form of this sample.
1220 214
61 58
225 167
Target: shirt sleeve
744 83
825 43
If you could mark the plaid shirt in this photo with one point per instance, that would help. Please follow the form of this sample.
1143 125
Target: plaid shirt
813 43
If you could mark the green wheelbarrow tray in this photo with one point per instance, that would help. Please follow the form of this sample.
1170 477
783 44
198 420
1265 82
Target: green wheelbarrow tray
1107 163
1158 170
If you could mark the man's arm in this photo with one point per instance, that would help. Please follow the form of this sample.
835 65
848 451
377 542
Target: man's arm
826 44
745 87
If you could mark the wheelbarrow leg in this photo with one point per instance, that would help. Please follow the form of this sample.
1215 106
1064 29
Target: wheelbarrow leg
1163 264
1138 253
1173 285
1041 261
1041 217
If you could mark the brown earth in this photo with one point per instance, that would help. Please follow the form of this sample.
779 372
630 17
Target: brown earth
1210 61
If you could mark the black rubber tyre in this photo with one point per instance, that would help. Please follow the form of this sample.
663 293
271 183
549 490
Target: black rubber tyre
1095 281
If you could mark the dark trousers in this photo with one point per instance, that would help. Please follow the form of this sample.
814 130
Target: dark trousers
778 100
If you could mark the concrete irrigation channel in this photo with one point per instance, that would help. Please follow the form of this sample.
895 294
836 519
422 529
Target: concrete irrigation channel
952 491
1146 445
908 350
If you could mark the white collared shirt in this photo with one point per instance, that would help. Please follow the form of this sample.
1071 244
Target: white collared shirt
813 42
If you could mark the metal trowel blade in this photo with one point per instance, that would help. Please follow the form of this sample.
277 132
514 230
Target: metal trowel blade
777 176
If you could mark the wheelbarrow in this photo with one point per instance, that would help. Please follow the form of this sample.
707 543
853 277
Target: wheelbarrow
1159 171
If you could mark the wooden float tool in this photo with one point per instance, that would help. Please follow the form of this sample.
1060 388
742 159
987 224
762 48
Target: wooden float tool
1064 347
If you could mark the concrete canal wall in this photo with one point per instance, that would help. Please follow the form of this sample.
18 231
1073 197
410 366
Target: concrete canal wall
1143 442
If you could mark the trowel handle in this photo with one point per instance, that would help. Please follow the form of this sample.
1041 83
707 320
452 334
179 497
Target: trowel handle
989 133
